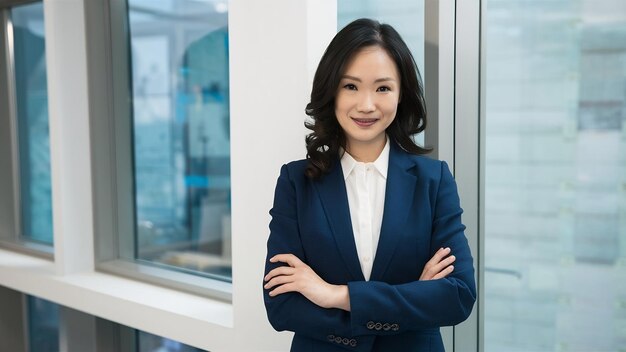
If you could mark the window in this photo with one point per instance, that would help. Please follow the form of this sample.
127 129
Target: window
171 123
151 343
44 319
43 325
405 16
179 57
555 186
27 196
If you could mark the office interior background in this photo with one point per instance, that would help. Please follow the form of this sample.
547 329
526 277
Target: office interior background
140 142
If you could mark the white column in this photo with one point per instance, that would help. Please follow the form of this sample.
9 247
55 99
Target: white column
274 49
69 135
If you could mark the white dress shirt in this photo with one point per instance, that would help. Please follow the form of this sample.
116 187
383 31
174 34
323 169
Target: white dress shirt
365 185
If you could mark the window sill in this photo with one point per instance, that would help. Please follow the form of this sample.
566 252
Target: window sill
166 312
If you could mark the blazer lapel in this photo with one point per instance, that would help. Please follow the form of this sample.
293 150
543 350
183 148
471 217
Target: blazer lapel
332 191
398 203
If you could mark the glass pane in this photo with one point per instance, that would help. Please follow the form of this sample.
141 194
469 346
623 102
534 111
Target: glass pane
181 119
43 325
32 122
406 16
555 196
152 343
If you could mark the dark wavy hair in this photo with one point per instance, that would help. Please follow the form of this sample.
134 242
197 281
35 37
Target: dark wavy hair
324 143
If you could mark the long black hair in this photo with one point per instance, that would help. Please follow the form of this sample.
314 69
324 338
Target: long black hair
324 143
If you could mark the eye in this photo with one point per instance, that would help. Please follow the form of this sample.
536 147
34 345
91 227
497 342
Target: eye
384 89
350 86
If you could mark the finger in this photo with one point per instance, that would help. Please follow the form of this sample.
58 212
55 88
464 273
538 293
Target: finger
442 264
288 258
440 254
445 272
282 289
279 280
281 270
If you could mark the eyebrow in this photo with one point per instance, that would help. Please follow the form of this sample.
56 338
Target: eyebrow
383 79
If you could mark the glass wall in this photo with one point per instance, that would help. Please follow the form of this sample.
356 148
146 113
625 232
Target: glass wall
407 17
152 343
29 57
43 325
555 178
181 137
43 333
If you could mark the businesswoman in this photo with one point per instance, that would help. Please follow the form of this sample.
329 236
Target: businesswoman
366 249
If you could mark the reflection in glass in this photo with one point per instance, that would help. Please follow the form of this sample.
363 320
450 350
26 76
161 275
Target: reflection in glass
180 95
43 325
406 16
32 122
152 343
555 179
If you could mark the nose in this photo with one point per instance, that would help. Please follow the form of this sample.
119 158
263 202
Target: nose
366 103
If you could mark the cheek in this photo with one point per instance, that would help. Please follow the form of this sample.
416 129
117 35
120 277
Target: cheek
391 110
341 107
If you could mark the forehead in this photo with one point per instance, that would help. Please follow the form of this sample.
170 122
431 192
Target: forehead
371 61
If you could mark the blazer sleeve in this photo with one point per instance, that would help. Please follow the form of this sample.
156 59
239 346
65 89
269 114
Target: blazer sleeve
422 304
292 311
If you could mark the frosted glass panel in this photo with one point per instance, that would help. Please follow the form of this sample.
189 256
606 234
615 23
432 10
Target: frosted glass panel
555 180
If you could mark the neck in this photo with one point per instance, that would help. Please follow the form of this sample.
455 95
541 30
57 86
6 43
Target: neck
366 152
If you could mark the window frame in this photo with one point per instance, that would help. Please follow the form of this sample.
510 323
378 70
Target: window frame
112 154
11 232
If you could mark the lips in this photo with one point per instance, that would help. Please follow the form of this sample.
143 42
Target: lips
364 122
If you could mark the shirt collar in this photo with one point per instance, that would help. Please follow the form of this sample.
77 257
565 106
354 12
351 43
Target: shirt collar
348 163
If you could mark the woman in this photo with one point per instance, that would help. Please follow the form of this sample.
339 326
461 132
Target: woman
367 250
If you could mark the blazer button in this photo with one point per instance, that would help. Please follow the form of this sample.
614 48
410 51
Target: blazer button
353 342
345 341
331 337
386 326
338 339
378 326
395 327
370 325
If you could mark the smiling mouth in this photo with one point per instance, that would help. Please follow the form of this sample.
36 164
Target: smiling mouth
364 122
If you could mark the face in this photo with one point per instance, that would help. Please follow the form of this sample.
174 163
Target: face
367 97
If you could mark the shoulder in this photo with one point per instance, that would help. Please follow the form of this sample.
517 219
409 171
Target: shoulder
293 171
295 168
422 166
427 167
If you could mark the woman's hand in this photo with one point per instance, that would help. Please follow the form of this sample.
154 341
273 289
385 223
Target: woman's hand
299 277
439 266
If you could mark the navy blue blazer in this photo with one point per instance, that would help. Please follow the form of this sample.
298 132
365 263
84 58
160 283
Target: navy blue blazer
394 311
